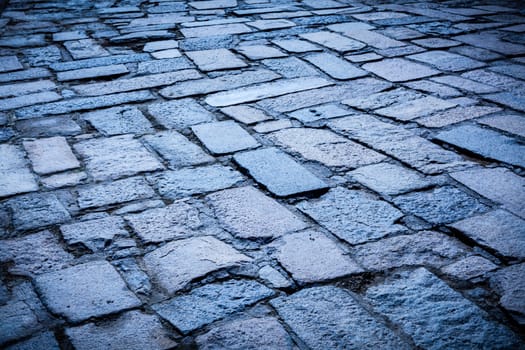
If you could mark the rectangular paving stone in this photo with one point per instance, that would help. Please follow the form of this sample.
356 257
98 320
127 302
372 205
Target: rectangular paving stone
492 43
42 56
333 41
265 90
176 264
95 72
48 126
382 99
248 213
508 283
137 83
465 84
100 61
296 45
433 88
278 172
18 41
210 60
420 304
224 137
87 290
119 120
335 67
245 114
508 99
94 234
290 67
69 35
26 74
223 29
415 108
511 123
85 48
211 302
50 155
115 157
9 63
373 39
213 4
399 69
498 184
180 114
456 115
325 111
28 100
485 142
46 340
351 326
15 176
259 52
26 88
164 65
142 36
447 61
271 24
32 211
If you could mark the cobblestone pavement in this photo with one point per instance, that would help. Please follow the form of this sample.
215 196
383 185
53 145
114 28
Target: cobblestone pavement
262 174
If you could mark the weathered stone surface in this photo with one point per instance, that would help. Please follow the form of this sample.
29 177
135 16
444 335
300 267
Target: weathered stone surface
353 216
398 69
492 42
37 210
180 114
245 114
18 320
48 126
164 65
278 172
224 29
326 147
43 56
465 84
259 52
511 100
99 61
224 137
94 234
127 157
15 177
274 277
9 63
456 115
119 120
272 125
211 302
209 60
470 267
382 99
94 72
178 263
415 108
133 330
326 111
248 213
160 45
335 67
296 46
50 155
374 39
433 88
28 100
511 286
512 123
26 74
44 340
291 67
447 61
333 41
162 224
420 304
351 326
85 48
19 89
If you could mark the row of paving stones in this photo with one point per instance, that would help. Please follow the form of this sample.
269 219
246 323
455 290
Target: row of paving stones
261 174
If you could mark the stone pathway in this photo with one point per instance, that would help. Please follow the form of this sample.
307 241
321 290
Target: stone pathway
262 174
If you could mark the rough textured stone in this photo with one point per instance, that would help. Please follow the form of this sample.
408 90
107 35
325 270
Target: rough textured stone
382 99
512 123
44 340
259 52
224 29
470 267
178 263
28 100
398 69
312 114
86 290
85 48
296 46
353 216
119 120
180 114
455 115
447 61
48 126
50 155
335 67
20 89
224 137
15 177
333 41
511 286
94 234
210 60
37 210
274 277
94 72
9 63
420 303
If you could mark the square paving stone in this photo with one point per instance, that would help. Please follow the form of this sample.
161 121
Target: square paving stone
333 41
326 260
224 137
15 176
176 264
91 289
447 61
278 172
271 24
180 114
162 224
119 120
441 205
353 215
248 213
259 52
37 210
94 234
210 60
50 155
211 302
399 69
335 67
132 330
115 157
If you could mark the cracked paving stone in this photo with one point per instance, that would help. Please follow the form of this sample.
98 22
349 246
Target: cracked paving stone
421 304
180 114
511 286
211 302
210 60
94 234
470 267
326 260
127 157
325 147
45 340
119 120
259 52
32 211
87 290
415 108
50 155
224 137
353 216
10 63
335 67
278 172
15 176
176 264
163 224
132 330
333 41
441 205
248 213
399 70
191 181
351 326
447 61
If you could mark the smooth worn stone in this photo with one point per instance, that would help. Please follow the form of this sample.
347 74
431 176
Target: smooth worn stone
87 290
127 157
291 67
271 24
137 83
465 84
248 213
491 42
223 29
274 277
34 254
353 216
264 333
415 108
100 61
350 325
180 114
510 285
164 65
425 248
456 115
115 192
246 114
132 330
335 67
94 234
447 61
85 48
259 52
28 100
498 230
176 149
399 69
18 321
382 99
178 263
193 181
433 88
32 211
213 4
63 180
70 35
508 99
26 74
211 302
500 81
224 137
44 340
165 54
136 279
512 70
95 72
389 179
470 267
326 260
296 45
19 89
265 90
313 114
325 147
9 64
511 123
119 120
278 172
163 224
15 176
50 155
333 41
420 304
210 60
160 45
